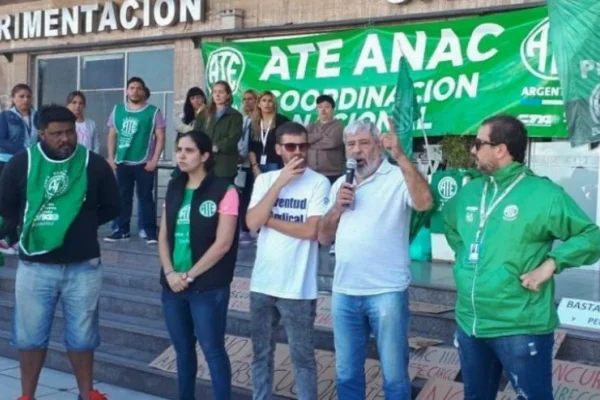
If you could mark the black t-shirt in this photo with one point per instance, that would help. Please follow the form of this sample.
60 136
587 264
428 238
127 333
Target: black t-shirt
256 145
101 205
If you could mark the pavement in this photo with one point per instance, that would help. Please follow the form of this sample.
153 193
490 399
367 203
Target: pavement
56 385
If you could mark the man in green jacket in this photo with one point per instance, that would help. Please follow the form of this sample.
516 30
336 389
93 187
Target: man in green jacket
502 227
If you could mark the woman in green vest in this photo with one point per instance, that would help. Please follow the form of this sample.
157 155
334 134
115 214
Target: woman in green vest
223 125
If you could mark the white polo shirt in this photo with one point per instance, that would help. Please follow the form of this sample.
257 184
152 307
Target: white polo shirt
372 239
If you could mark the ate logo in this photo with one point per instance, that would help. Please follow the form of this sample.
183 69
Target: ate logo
208 208
225 64
56 184
595 104
129 127
447 187
184 215
536 52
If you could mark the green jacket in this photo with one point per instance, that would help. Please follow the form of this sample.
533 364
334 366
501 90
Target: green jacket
225 133
517 238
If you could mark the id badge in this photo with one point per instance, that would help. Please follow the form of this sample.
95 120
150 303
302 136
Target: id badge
263 159
474 253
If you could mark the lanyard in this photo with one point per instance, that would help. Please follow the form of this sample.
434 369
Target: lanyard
264 133
483 213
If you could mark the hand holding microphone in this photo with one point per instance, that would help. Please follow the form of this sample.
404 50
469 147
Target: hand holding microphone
345 197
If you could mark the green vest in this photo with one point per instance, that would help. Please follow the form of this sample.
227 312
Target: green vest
135 132
56 191
182 252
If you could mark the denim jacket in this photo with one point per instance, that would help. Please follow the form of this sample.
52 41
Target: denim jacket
15 133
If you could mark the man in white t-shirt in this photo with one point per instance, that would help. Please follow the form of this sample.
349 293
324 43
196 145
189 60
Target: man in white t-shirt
370 222
286 206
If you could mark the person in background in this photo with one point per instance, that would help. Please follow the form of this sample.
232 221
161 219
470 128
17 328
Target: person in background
60 193
198 252
265 121
18 131
326 154
86 128
195 103
249 104
286 206
136 140
223 125
505 309
370 222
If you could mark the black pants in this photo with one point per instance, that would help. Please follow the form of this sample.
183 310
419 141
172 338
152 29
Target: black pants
13 236
128 177
245 196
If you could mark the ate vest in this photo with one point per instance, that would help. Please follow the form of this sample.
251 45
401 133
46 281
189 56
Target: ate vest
135 132
204 219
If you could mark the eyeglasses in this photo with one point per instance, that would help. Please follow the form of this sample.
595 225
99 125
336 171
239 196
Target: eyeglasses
291 147
478 143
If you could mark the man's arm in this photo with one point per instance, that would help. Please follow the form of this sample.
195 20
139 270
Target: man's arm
418 188
450 226
108 193
11 180
159 132
340 199
112 144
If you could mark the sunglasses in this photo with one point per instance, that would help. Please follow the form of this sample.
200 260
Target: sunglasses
478 143
291 147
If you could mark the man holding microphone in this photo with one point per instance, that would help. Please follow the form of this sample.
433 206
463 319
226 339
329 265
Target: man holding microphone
370 286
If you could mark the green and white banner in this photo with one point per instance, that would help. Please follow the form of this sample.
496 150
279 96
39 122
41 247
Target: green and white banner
464 70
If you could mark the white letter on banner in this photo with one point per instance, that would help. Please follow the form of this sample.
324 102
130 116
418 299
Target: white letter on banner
69 21
32 24
5 21
303 50
323 71
51 22
108 18
448 49
277 65
403 48
479 33
371 56
126 22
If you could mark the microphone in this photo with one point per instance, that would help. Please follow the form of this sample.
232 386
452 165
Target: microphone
349 172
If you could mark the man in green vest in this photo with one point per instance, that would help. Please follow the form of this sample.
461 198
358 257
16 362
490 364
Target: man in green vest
59 193
136 140
502 227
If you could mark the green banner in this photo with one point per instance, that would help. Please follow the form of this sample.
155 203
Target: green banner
575 35
464 70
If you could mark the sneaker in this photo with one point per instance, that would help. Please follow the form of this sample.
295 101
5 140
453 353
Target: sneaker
117 237
96 395
151 241
6 249
142 234
25 398
246 239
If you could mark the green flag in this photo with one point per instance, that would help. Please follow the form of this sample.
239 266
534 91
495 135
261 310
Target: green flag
406 109
575 37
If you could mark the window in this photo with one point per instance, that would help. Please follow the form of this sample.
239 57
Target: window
102 78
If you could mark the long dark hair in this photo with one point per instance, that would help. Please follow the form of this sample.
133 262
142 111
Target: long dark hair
212 108
17 88
204 145
74 94
189 114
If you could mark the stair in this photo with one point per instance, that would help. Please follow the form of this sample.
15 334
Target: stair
133 331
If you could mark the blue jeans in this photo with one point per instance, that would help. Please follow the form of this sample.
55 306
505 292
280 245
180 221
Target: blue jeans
354 317
38 289
129 176
527 360
201 316
298 317
269 167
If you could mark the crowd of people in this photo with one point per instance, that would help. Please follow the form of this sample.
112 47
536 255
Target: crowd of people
255 171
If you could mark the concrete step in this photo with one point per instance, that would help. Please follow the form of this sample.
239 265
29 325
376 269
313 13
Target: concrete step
122 366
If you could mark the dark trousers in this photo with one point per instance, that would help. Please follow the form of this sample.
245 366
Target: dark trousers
128 177
201 316
527 360
245 196
13 236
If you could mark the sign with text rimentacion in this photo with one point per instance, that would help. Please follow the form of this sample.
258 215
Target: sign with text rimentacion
464 70
580 314
104 16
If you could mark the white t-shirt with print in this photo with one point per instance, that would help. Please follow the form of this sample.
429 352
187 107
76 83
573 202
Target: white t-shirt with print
286 267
